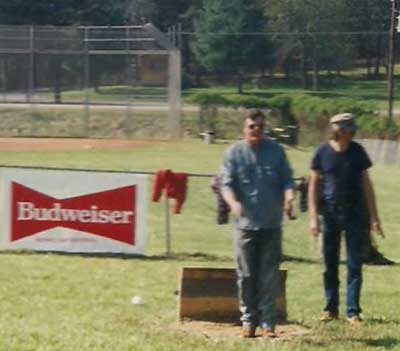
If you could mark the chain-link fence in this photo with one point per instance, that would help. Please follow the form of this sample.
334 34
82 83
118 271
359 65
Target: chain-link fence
311 60
88 81
125 82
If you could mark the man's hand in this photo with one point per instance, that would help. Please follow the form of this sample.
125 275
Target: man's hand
315 226
236 208
288 208
288 203
376 227
234 205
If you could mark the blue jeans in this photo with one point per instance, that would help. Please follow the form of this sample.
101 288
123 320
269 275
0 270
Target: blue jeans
355 227
258 255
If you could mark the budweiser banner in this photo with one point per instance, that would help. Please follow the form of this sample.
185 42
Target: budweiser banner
48 210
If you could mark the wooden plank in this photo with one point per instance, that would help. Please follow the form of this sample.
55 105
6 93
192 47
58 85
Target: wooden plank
216 309
208 273
210 294
203 287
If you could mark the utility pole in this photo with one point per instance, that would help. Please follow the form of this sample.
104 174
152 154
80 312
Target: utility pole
392 48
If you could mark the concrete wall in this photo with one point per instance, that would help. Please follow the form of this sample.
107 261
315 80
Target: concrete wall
386 152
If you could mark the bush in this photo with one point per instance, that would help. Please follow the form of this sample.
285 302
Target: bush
187 81
205 98
372 126
309 112
246 101
315 111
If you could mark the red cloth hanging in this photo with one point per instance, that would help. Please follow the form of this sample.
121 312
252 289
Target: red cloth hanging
175 185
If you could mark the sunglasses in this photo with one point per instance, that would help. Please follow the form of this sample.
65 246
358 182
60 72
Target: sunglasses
255 125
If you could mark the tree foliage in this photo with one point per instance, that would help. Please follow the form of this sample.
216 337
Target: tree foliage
223 45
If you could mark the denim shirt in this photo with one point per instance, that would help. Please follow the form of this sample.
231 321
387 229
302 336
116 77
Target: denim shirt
259 177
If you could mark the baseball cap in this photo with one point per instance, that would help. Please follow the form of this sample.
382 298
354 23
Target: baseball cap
343 121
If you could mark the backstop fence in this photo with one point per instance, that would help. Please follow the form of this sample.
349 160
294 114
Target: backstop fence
89 82
126 81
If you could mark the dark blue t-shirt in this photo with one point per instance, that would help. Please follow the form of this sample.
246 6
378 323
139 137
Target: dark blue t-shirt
341 175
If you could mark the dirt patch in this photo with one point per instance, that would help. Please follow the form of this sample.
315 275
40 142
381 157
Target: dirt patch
50 144
223 331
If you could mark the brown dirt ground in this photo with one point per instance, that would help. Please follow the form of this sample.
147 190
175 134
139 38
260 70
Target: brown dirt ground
60 144
223 331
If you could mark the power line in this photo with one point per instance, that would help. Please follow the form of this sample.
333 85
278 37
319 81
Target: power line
288 33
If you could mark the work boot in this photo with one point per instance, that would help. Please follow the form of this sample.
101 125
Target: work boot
328 316
355 320
268 333
267 330
248 332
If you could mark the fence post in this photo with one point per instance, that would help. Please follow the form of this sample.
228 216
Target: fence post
167 226
86 84
3 77
391 59
174 93
31 63
131 78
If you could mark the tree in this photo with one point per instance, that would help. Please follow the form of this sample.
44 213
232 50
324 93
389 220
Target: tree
370 16
140 11
223 45
313 51
62 12
40 12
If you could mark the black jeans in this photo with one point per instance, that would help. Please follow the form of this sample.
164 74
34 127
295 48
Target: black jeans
355 227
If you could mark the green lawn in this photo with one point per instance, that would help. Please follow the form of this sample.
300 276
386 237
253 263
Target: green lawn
64 302
117 94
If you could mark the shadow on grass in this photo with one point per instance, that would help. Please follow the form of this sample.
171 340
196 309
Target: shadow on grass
385 343
196 256
288 258
182 256
381 343
383 321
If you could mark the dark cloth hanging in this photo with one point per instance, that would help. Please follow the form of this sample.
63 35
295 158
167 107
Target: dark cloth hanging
222 207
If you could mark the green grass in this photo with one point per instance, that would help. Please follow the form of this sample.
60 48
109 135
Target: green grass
121 123
117 94
65 302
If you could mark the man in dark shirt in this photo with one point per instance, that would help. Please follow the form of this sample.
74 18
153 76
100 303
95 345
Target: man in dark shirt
342 197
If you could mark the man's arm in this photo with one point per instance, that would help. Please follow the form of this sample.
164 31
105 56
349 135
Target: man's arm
371 203
233 203
228 171
288 205
313 202
288 186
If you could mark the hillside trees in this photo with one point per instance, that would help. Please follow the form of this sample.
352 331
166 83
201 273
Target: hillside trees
312 44
224 44
62 12
370 16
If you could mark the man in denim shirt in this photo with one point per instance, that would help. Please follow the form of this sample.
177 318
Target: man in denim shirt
258 187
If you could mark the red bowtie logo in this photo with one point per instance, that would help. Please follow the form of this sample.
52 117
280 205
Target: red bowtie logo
110 214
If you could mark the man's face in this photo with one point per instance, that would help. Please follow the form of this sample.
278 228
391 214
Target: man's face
253 130
345 132
346 135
